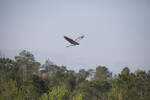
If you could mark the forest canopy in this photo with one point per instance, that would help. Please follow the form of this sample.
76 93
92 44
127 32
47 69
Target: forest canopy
26 79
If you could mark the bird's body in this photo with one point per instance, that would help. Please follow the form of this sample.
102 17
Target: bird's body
73 42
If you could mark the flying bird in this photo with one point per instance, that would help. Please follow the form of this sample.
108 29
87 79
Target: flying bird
73 42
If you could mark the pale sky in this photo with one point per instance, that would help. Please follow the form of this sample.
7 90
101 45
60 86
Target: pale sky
117 32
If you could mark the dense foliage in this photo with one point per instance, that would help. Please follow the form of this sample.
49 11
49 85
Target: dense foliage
26 79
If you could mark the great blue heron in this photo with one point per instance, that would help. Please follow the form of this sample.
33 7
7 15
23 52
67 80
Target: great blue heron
73 42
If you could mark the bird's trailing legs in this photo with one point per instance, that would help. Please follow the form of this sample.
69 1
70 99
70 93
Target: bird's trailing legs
70 45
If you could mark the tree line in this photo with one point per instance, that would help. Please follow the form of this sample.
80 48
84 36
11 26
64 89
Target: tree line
26 79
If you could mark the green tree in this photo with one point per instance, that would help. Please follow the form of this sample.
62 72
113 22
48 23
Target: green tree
34 87
102 73
2 81
44 97
92 90
65 77
125 71
81 75
10 91
78 97
58 93
120 88
6 64
91 73
26 65
130 86
49 67
142 84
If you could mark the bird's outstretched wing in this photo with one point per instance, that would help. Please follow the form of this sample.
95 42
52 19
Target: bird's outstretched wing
70 40
79 38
